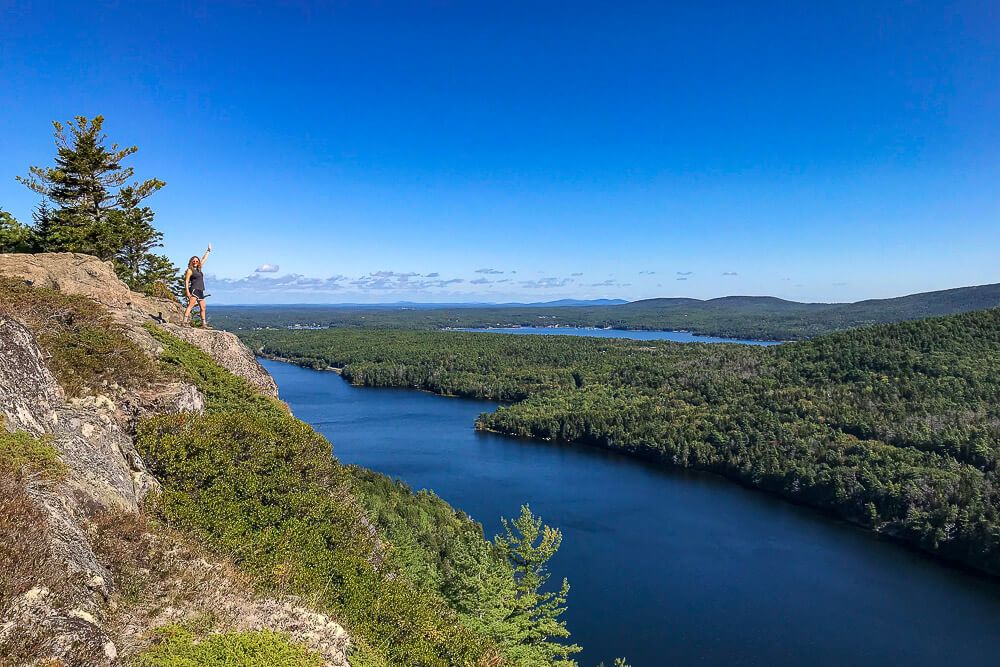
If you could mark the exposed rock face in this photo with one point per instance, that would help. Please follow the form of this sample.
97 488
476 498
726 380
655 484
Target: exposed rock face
104 472
188 586
28 391
84 275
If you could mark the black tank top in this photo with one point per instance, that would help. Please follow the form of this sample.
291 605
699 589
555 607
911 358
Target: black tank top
197 279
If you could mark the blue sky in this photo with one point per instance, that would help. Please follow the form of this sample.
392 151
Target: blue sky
457 151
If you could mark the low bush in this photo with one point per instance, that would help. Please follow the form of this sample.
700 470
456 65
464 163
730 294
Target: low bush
86 350
222 389
160 290
265 491
22 453
175 646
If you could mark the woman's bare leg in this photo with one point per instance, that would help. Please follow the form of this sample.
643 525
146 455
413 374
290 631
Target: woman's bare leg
204 315
187 311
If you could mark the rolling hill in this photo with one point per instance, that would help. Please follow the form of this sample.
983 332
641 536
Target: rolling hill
758 317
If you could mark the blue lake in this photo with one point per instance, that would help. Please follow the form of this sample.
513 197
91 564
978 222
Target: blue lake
669 567
676 336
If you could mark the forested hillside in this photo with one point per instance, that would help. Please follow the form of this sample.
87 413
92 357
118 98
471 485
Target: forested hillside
751 317
895 427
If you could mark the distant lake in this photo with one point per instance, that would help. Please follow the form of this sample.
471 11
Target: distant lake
667 566
676 336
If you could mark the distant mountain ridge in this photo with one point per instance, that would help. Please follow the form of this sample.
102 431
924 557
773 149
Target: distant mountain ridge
738 316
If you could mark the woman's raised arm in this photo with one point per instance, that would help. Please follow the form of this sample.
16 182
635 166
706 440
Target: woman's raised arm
205 256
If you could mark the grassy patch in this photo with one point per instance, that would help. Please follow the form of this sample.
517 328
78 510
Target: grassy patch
222 389
21 452
175 646
86 350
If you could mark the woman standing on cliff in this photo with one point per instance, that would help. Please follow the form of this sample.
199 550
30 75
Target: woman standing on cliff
194 287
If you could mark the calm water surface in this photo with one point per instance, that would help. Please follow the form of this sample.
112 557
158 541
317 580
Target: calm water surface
676 336
668 567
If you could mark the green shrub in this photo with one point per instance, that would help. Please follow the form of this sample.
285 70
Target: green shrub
86 349
23 453
222 389
177 647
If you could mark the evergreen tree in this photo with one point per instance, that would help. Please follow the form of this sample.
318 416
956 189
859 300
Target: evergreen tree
14 237
130 238
99 208
534 619
42 231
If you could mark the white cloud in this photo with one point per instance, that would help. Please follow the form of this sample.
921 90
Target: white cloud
267 268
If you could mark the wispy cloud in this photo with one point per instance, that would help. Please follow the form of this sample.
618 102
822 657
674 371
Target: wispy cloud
647 273
610 282
270 287
395 275
682 278
546 283
490 272
685 273
292 282
840 284
730 273
393 280
267 268
577 274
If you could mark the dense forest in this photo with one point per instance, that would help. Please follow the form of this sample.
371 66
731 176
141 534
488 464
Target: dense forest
894 427
762 318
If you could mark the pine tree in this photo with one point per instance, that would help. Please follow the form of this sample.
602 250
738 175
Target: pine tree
14 237
534 620
42 230
130 238
99 209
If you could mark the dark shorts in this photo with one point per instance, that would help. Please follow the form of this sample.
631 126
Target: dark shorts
198 294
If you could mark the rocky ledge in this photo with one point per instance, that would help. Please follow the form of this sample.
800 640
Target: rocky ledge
84 275
71 602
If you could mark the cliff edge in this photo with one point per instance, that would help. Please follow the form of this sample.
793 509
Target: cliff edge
87 577
84 275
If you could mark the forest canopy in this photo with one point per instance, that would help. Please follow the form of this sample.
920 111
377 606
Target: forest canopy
894 427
